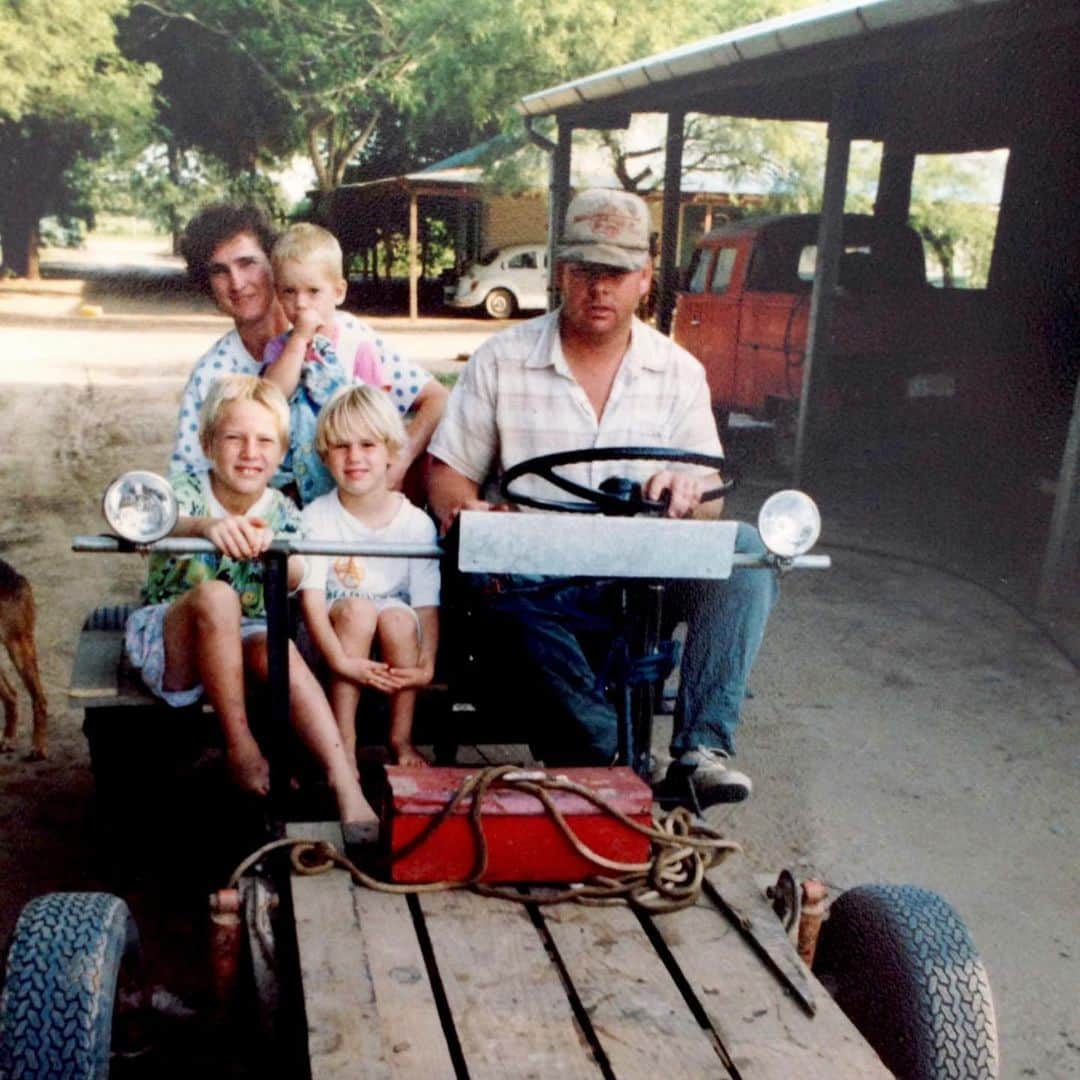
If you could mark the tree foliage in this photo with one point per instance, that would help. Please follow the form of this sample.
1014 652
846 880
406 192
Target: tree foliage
212 96
317 73
385 82
67 94
953 200
954 208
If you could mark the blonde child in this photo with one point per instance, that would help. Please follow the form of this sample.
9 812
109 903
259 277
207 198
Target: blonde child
351 602
203 629
317 356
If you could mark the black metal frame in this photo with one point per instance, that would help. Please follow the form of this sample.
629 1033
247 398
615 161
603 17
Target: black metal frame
633 700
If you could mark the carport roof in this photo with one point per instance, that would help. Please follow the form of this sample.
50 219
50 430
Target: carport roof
935 75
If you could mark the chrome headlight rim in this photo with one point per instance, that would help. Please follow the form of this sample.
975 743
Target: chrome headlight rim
789 523
129 515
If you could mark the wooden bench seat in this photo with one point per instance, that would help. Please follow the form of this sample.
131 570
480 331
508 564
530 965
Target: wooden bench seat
109 690
100 674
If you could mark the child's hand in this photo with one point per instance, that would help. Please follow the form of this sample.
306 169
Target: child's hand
239 537
308 323
406 678
371 673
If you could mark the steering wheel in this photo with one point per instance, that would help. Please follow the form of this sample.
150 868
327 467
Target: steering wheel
616 496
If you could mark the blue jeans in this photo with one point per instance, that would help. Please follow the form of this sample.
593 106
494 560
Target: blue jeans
555 636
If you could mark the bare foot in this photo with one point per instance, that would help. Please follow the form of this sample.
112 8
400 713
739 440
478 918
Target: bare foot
409 757
354 808
248 767
360 833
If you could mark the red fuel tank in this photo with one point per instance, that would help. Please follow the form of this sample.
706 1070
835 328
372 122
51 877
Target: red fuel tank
525 844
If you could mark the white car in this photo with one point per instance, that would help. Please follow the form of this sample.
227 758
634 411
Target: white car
504 281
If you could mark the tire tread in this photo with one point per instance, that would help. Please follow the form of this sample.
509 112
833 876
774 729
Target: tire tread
902 965
57 1001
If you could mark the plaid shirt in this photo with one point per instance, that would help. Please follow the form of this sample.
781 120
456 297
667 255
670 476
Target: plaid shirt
517 399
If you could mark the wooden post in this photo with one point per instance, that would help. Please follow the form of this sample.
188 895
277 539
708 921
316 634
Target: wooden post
414 269
1063 545
669 222
462 251
826 270
893 202
558 198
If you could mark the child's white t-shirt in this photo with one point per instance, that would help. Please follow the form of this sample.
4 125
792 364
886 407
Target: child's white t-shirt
413 581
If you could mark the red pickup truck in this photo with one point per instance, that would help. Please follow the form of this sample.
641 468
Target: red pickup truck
906 357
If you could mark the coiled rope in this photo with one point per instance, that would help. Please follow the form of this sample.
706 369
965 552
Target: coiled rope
683 850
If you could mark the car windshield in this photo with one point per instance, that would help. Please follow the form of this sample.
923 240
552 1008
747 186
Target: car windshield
488 259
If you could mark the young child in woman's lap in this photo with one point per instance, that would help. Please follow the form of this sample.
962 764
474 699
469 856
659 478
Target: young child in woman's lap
351 602
204 627
319 355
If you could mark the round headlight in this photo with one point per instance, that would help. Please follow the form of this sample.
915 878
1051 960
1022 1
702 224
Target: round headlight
789 523
140 507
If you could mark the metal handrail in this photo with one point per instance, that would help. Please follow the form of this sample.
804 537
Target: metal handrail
373 549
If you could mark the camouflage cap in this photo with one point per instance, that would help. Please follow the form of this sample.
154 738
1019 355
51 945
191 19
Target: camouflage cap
606 228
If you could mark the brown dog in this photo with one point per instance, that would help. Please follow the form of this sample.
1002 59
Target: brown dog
17 615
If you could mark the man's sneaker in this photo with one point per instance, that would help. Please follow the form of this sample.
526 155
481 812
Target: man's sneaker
701 778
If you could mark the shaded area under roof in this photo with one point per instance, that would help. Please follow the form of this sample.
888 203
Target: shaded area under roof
921 77
932 75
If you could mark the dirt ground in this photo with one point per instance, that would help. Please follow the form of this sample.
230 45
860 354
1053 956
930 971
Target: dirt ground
907 724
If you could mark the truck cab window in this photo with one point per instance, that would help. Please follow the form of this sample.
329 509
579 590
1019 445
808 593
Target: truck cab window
721 275
699 267
807 263
778 268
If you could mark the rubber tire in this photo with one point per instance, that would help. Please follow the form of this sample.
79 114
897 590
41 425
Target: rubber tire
900 963
112 617
500 304
63 970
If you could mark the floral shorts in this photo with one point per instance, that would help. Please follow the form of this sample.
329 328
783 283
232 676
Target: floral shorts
144 642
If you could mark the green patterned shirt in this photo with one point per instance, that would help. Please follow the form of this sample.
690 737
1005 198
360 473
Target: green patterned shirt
170 576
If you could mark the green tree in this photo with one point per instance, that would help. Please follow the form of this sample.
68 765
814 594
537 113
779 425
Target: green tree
953 200
368 84
66 94
559 40
212 96
165 184
316 73
954 208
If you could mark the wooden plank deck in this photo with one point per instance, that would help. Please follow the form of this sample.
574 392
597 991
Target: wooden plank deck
368 995
452 984
509 1007
761 1025
638 1015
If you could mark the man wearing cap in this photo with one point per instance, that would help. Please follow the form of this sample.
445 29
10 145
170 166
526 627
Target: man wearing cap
590 374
